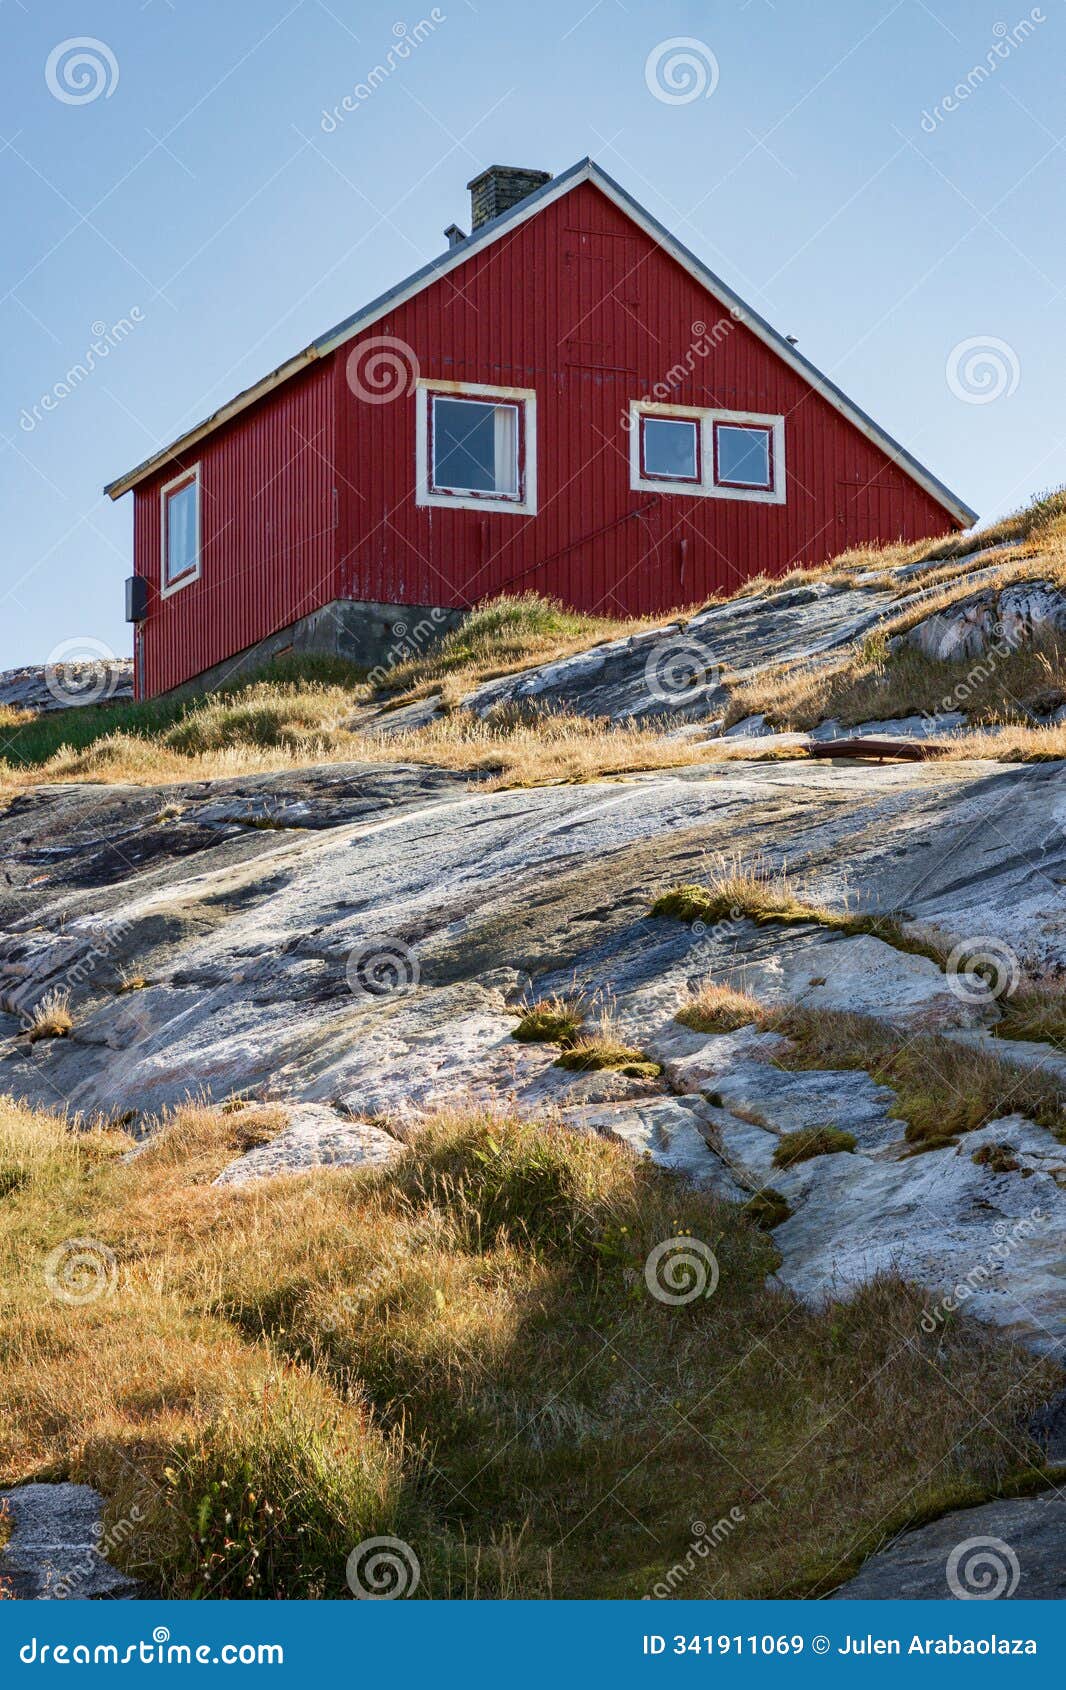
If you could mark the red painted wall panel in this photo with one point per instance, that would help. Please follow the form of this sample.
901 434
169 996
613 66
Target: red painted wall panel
581 305
268 535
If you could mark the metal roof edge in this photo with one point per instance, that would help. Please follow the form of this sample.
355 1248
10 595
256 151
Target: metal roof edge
584 170
344 330
822 383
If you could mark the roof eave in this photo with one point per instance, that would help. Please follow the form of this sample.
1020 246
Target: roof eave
185 442
359 320
584 170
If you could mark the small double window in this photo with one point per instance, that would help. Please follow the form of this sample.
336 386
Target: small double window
744 456
670 449
713 454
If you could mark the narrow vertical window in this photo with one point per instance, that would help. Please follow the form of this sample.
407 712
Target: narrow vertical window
181 530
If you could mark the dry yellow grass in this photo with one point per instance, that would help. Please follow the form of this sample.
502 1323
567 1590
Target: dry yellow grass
714 1008
11 717
1013 745
460 1350
869 684
50 1018
284 723
865 684
507 750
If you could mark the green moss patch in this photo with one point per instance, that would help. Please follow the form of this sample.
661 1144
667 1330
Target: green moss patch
807 1142
767 1208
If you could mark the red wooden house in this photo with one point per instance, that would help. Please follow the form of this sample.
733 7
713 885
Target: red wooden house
565 401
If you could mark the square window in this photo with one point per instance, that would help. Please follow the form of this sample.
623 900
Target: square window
743 456
181 530
475 448
670 449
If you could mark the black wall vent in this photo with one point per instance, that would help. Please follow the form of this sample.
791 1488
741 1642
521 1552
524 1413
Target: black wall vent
136 598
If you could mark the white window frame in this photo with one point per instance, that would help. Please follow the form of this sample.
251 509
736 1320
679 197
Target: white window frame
706 487
525 400
187 477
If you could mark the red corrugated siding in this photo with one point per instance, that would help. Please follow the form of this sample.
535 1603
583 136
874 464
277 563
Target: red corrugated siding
268 534
582 306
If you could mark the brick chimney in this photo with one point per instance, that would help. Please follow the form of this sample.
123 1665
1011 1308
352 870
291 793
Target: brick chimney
499 187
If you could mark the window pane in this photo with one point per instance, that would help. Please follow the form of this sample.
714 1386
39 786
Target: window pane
743 455
464 445
506 449
181 530
670 448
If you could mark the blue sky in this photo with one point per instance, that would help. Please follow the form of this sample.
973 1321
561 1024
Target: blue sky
197 207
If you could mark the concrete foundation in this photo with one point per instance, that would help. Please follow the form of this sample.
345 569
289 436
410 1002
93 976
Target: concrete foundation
372 637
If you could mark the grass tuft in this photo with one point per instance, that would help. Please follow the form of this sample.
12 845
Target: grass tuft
1036 1011
767 1208
50 1018
807 1142
718 1009
502 635
999 1158
591 1052
943 1087
765 895
552 1021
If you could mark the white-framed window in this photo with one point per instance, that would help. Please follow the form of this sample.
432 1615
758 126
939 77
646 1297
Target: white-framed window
476 446
743 455
179 513
707 454
670 448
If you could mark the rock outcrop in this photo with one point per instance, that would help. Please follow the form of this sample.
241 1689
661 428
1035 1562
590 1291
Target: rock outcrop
67 683
369 957
59 1546
1005 1551
1017 615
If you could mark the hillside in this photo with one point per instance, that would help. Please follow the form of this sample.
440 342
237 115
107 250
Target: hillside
534 1103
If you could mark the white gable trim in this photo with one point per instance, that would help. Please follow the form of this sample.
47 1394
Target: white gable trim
585 171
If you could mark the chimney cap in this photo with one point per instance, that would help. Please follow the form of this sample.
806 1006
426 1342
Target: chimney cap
509 170
454 235
501 186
